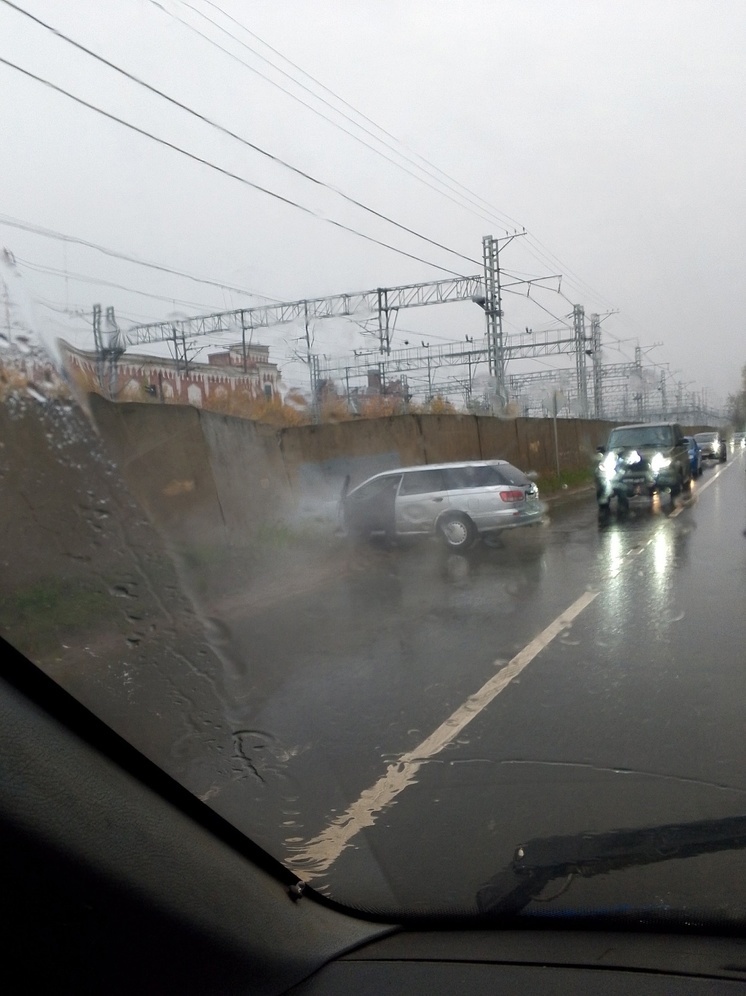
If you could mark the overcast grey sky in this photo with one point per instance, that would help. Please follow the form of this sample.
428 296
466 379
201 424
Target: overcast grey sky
613 131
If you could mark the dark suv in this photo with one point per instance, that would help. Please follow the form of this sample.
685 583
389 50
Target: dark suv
642 460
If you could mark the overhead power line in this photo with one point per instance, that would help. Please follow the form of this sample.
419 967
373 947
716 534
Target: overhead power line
308 106
452 182
504 219
231 134
484 209
84 278
48 233
545 253
220 169
609 334
463 191
82 313
545 256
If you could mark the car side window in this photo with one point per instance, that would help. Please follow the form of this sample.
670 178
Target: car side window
421 481
377 487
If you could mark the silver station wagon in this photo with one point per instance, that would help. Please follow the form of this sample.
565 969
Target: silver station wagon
455 501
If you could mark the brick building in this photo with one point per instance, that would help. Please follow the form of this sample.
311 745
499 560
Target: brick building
228 375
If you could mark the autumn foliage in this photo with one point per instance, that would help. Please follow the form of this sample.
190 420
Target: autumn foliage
249 401
18 375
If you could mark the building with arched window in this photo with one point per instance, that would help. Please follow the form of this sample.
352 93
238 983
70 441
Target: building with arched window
230 377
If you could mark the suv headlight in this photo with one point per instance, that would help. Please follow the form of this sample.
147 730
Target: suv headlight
659 463
608 464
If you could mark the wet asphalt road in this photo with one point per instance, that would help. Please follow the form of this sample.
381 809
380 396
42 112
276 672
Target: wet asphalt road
632 715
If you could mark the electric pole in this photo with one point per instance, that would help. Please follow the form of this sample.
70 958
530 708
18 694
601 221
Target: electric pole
384 331
108 347
578 324
493 309
313 368
598 402
640 396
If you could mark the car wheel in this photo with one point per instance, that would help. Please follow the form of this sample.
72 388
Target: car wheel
457 531
676 488
687 485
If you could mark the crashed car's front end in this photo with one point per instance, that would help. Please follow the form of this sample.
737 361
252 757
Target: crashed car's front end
627 472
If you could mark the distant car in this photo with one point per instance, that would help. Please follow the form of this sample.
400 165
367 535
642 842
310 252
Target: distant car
712 445
695 455
642 460
457 502
738 441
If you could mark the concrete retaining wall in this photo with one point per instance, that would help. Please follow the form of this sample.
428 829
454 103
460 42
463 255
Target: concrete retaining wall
218 478
213 479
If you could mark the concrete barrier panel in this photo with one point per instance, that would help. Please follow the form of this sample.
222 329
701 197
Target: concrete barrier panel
163 456
249 474
446 438
592 433
535 441
374 438
498 439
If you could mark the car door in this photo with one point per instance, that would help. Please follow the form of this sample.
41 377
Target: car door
370 508
422 498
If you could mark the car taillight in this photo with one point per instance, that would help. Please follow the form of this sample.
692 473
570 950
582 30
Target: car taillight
512 495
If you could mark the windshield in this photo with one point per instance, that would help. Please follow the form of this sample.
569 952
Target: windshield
254 256
641 436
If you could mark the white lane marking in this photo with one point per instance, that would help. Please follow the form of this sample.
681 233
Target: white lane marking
700 489
316 856
312 859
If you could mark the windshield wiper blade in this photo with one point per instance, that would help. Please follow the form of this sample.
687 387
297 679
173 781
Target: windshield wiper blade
540 861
